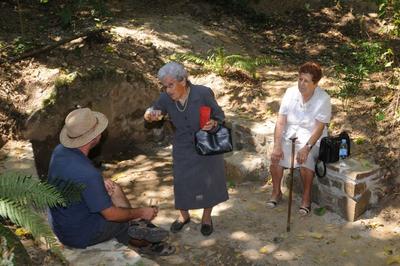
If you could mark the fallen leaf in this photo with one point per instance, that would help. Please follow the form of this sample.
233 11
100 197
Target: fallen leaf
388 250
320 211
21 231
264 250
355 237
117 176
316 235
374 225
393 259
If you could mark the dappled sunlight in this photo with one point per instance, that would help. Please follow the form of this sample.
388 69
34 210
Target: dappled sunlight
17 156
208 243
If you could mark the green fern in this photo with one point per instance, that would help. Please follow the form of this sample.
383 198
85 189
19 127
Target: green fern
24 190
218 61
22 199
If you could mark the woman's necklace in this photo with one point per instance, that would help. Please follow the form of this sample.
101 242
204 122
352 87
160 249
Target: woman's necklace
184 104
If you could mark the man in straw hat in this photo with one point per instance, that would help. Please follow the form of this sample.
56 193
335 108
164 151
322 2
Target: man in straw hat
103 212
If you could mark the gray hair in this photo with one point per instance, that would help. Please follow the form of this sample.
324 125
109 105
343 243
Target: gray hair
174 70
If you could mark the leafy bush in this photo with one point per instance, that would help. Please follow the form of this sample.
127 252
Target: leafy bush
390 10
23 198
364 58
218 61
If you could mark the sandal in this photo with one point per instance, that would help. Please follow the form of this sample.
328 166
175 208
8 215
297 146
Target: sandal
158 249
272 203
304 211
177 225
145 230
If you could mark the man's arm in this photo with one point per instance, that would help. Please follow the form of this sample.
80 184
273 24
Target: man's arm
277 153
117 214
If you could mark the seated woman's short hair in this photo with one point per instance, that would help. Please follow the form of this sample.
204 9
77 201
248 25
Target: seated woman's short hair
312 68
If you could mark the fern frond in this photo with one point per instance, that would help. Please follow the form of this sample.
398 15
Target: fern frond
70 191
26 190
189 57
264 60
28 219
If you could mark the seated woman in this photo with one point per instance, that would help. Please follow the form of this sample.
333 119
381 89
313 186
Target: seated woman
304 113
199 181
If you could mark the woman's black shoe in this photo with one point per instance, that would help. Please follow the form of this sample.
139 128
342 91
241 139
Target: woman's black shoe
207 229
177 225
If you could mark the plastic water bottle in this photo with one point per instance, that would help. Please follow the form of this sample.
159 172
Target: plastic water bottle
343 153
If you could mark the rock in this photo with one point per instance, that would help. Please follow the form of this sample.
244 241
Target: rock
106 253
243 166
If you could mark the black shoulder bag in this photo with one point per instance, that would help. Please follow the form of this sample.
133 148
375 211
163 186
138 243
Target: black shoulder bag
329 151
213 142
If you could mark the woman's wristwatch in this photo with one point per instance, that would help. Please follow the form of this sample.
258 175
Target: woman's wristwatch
309 145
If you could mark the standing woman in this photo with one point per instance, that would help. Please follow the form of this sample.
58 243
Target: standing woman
199 181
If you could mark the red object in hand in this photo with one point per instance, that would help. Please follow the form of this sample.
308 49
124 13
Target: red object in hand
205 112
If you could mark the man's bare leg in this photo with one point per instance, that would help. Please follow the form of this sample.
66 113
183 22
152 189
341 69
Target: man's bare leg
119 198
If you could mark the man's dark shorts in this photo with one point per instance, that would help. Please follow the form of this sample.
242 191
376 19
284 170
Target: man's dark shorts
112 230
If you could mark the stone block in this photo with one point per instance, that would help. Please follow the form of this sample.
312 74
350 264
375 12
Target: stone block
328 199
315 193
351 208
251 136
323 180
244 166
337 184
354 189
356 169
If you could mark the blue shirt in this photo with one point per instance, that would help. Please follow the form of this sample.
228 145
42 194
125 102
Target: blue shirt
78 223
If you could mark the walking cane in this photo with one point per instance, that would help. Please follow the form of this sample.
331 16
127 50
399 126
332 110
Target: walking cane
293 139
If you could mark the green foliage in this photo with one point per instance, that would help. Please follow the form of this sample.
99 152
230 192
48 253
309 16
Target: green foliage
218 61
364 58
230 184
22 198
64 80
21 45
380 116
67 10
320 211
359 140
390 10
243 9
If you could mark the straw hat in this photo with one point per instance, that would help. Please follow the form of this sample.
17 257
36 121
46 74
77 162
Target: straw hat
82 126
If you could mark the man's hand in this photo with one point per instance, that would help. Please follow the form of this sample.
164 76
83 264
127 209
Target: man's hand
149 213
210 125
302 155
277 154
110 186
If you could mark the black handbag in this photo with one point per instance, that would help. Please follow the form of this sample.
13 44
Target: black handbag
329 151
215 142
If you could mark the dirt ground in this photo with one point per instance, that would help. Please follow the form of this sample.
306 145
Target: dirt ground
246 231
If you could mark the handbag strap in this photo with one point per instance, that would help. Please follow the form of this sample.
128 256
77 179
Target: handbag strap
317 169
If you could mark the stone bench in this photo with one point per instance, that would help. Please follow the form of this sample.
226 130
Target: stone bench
107 253
348 192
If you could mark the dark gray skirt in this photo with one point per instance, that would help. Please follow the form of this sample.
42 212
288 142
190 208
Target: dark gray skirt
199 181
